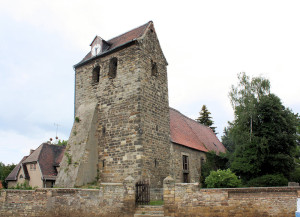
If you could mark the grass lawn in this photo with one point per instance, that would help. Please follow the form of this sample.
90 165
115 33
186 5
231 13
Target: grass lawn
156 202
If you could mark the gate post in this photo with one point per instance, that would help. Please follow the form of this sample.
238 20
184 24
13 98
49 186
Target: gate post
129 196
169 196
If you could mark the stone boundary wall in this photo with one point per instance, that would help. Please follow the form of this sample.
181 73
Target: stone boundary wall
190 200
118 199
110 200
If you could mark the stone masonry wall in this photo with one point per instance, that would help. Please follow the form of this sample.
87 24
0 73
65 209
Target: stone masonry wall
155 120
195 160
106 142
190 200
119 124
109 200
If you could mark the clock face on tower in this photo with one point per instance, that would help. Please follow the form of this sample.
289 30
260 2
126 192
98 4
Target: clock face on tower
96 49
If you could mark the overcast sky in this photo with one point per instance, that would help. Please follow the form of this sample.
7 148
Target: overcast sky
206 43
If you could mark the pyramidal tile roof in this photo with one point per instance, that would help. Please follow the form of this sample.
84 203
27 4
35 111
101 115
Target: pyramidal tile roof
190 133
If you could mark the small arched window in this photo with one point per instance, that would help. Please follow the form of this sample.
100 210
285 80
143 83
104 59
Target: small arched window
96 75
113 64
153 69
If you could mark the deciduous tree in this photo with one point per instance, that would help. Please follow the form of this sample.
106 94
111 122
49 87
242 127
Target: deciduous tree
5 171
263 130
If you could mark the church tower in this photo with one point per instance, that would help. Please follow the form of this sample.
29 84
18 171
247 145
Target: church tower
121 124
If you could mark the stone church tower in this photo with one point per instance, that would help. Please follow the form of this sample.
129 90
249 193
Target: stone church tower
121 124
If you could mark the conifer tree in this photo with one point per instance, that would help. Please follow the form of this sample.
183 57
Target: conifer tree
205 118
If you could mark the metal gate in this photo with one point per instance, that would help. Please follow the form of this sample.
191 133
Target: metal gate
142 195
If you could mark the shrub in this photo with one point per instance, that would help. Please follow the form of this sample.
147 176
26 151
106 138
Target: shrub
62 143
23 186
213 162
222 179
268 181
69 158
295 175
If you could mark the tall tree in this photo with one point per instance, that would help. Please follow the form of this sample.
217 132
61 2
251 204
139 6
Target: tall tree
227 139
5 171
205 118
246 94
263 130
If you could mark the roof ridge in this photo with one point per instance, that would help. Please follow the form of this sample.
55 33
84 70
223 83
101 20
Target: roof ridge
43 146
129 31
192 130
189 118
200 125
117 42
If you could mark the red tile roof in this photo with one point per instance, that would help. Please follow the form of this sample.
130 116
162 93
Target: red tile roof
190 133
120 40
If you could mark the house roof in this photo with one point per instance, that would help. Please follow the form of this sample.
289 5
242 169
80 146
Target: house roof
48 157
14 173
190 133
34 156
119 41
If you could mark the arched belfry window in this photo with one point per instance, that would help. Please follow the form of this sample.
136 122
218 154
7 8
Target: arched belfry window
113 64
153 69
96 75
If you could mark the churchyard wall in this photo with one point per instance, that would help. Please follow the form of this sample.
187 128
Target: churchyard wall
110 200
180 199
187 199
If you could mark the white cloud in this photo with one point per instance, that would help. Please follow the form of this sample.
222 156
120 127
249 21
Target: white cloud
15 146
206 44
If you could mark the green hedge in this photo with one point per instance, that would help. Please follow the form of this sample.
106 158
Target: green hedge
268 181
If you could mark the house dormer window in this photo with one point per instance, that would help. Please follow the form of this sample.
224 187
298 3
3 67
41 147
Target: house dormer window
96 49
98 46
